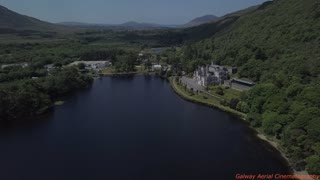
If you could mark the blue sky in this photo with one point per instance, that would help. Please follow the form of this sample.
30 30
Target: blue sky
119 11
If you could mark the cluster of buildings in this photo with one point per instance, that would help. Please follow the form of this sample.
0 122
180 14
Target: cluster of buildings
93 65
220 75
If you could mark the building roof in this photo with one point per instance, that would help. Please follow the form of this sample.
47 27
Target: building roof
157 66
244 81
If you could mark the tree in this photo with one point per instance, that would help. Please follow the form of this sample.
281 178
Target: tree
313 129
310 95
252 69
316 147
158 58
280 79
313 164
260 55
220 91
270 123
296 107
257 104
81 66
233 103
58 64
22 100
303 118
243 107
294 90
148 65
255 119
274 102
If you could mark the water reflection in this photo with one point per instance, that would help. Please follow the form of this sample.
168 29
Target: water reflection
135 128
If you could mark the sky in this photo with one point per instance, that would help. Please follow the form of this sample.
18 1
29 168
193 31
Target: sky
120 11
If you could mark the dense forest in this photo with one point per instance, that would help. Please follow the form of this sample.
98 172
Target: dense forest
29 97
278 46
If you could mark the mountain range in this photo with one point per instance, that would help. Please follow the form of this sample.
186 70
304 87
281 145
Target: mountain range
10 20
132 25
136 25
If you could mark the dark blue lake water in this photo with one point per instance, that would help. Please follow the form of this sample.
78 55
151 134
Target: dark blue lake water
134 129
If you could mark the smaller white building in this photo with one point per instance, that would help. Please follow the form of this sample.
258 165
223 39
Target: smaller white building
50 67
23 65
156 67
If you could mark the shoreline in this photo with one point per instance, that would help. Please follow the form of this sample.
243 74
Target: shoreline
219 107
119 74
113 73
274 144
242 116
125 74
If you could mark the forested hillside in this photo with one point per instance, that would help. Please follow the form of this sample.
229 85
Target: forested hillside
278 46
201 20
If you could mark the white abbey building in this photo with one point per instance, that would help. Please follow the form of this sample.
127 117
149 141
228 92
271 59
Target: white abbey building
212 74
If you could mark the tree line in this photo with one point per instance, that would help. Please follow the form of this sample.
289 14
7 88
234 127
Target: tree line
27 98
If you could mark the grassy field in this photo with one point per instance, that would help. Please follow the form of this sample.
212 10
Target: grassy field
141 69
228 93
108 71
203 99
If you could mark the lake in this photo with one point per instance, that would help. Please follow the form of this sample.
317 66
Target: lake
134 128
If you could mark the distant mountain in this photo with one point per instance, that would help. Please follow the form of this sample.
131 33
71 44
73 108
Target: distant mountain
131 25
136 25
201 20
12 21
76 24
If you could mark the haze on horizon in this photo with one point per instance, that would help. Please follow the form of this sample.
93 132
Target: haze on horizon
120 11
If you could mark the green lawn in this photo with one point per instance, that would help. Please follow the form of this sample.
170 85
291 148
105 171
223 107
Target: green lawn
141 69
228 92
108 71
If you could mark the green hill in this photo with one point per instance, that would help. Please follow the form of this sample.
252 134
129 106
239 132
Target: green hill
277 45
11 21
201 20
206 30
275 34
